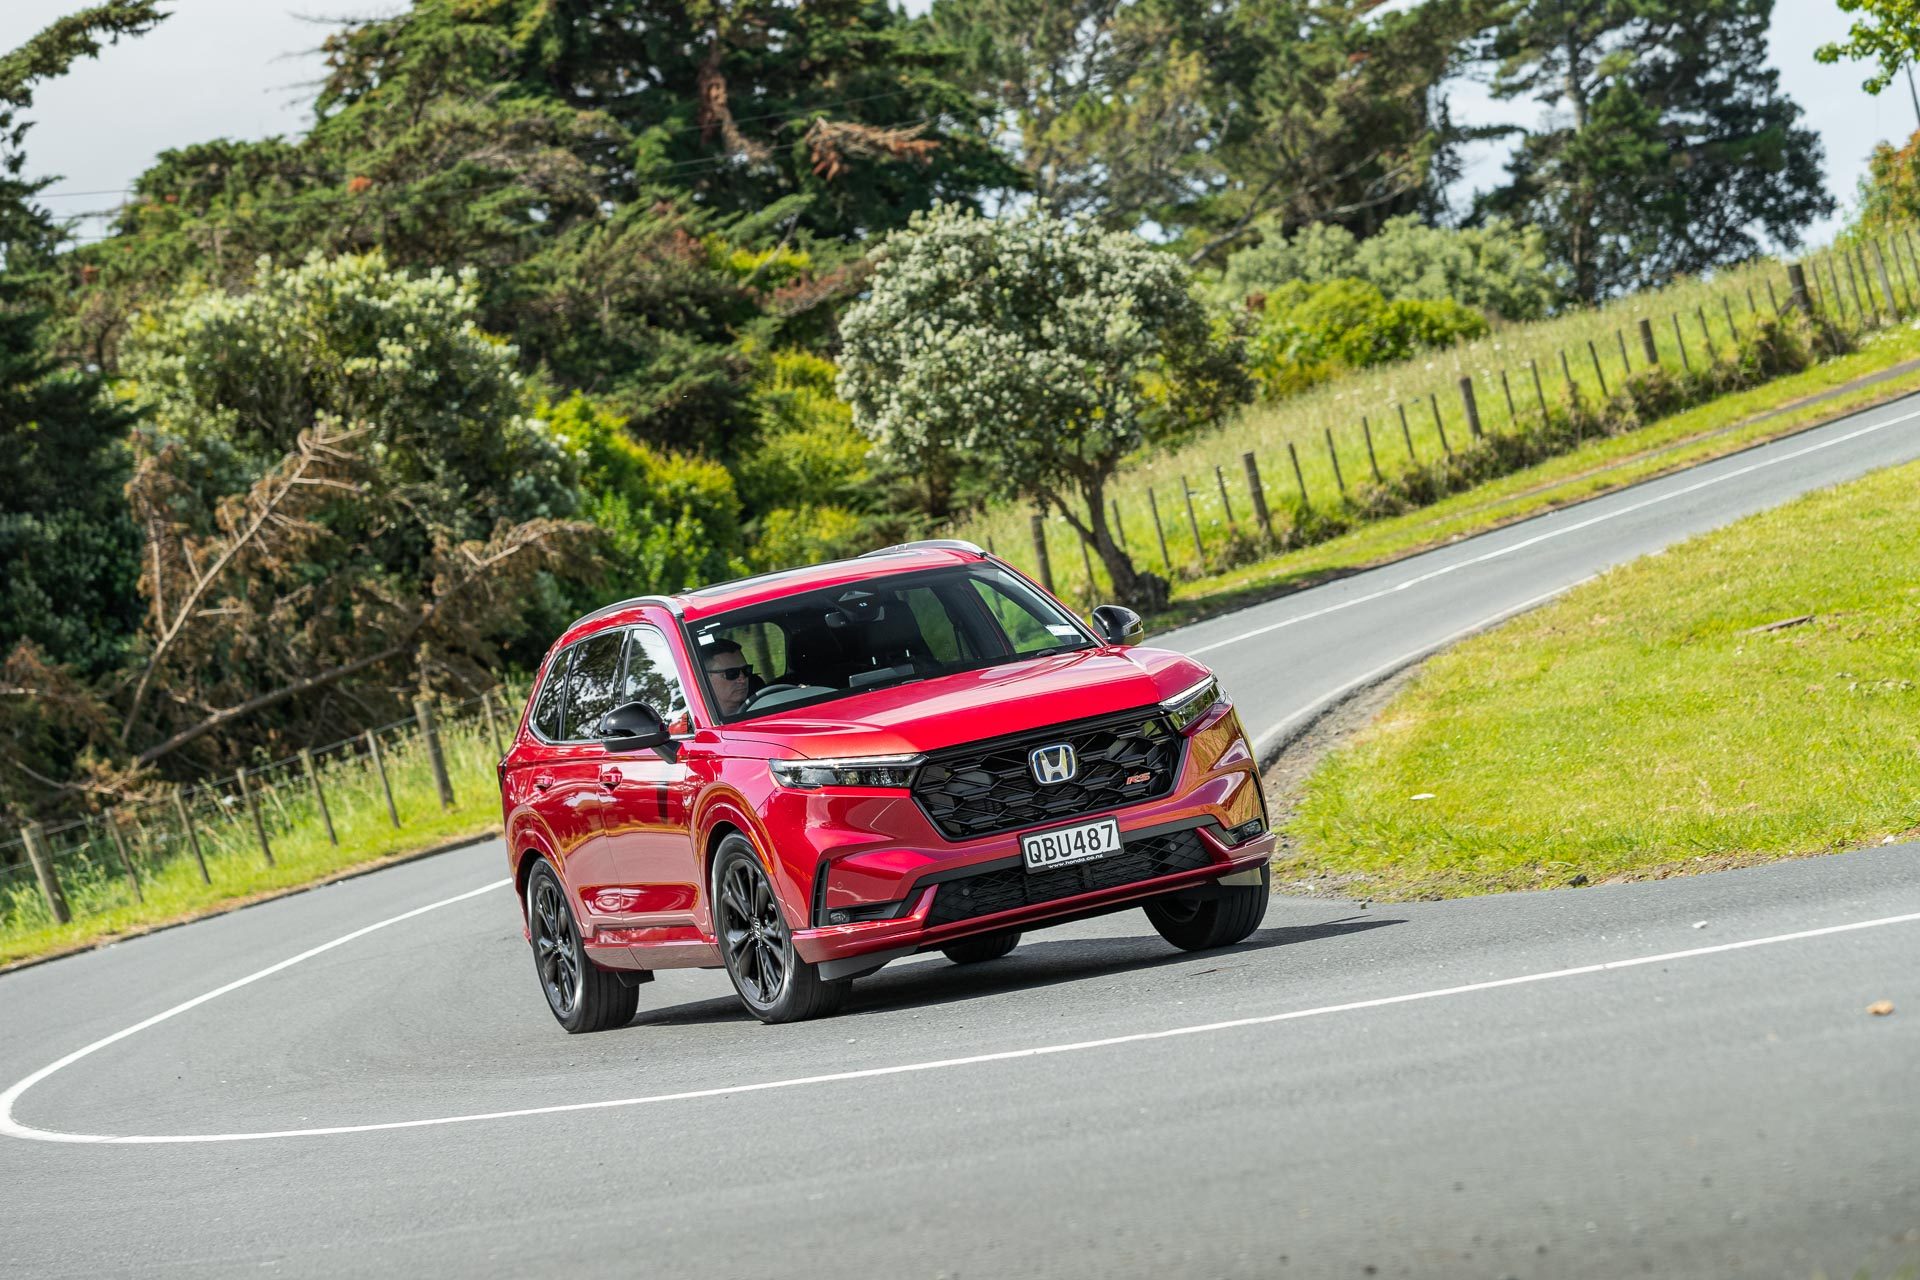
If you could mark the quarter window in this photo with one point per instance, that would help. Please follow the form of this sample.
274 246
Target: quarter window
546 710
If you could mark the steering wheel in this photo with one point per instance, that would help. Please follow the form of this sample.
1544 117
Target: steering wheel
764 690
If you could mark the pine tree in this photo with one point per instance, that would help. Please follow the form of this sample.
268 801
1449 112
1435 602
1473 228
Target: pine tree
1677 153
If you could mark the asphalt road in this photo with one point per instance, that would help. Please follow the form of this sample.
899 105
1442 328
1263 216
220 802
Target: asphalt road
1672 1079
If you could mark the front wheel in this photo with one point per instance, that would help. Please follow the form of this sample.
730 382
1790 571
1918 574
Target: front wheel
772 980
1225 915
582 995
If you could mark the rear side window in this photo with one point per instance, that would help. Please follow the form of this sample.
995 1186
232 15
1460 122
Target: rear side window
651 678
546 709
591 683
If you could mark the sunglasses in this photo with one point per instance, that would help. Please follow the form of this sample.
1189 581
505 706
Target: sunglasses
728 673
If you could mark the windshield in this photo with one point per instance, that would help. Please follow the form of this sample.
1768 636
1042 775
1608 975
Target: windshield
812 648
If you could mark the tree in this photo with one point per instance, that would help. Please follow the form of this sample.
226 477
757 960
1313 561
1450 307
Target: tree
341 502
1889 34
1679 150
67 602
1202 119
1047 350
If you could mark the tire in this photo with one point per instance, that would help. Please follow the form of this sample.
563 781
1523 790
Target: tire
988 946
1226 915
580 994
756 945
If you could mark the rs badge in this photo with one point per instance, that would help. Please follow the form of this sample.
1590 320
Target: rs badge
1054 764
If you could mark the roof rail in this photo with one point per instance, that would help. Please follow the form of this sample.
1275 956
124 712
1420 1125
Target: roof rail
672 606
928 544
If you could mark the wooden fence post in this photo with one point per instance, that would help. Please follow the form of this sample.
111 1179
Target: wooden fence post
1839 303
1226 503
1594 355
1506 389
36 841
1680 340
1873 306
1620 336
1406 432
1299 477
1773 299
493 722
1159 530
1193 522
430 730
1333 454
1366 429
1257 493
1038 524
1119 529
1886 281
193 833
1706 334
320 795
1433 402
253 811
1086 562
1539 390
126 861
380 767
1647 347
1467 400
1726 305
1566 371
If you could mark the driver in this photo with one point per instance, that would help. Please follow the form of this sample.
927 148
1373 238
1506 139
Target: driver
728 675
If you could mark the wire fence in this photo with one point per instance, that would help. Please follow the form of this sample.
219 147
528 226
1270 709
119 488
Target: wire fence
1383 441
258 828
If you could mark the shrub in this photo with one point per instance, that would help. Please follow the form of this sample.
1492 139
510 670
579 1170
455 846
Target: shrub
1308 333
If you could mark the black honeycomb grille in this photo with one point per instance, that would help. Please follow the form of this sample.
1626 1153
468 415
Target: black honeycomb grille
1011 887
985 788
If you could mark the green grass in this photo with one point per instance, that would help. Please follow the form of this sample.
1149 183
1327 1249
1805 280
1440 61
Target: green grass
102 901
1642 726
1325 423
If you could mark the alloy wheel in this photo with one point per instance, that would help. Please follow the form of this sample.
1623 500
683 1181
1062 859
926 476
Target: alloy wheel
758 949
556 947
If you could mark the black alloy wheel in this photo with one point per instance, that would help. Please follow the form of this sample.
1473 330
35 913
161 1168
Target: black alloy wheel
582 995
772 980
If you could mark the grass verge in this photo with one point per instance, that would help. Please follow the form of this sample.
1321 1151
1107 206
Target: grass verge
1751 694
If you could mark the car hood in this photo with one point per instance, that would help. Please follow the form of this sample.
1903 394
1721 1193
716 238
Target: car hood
927 715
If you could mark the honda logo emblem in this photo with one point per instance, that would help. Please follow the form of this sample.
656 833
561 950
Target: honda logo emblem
1053 765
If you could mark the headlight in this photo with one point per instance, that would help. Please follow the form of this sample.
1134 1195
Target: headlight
868 771
1190 704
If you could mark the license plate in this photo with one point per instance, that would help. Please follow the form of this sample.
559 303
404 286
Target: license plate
1046 850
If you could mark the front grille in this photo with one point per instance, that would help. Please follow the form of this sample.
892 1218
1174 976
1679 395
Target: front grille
988 787
1010 887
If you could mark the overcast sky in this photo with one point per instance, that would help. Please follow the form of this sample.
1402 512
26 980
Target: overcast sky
245 69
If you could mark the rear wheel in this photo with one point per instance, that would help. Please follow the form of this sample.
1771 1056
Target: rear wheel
1224 915
988 946
582 995
772 980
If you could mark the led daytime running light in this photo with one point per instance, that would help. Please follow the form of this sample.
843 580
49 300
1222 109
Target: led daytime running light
1189 705
864 771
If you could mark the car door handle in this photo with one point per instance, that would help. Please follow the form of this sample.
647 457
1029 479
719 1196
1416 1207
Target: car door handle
609 777
543 782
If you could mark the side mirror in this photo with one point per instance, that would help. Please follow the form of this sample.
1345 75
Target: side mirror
635 726
1118 624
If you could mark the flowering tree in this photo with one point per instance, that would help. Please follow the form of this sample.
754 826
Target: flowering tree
1046 351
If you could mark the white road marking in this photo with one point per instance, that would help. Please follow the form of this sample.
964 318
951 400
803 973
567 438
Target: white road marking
1572 527
13 1128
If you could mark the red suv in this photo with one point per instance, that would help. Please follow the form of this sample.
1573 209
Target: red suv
805 775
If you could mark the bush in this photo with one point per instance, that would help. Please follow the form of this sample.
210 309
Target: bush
1497 268
1308 333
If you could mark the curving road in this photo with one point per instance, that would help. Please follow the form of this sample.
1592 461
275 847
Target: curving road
1673 1079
